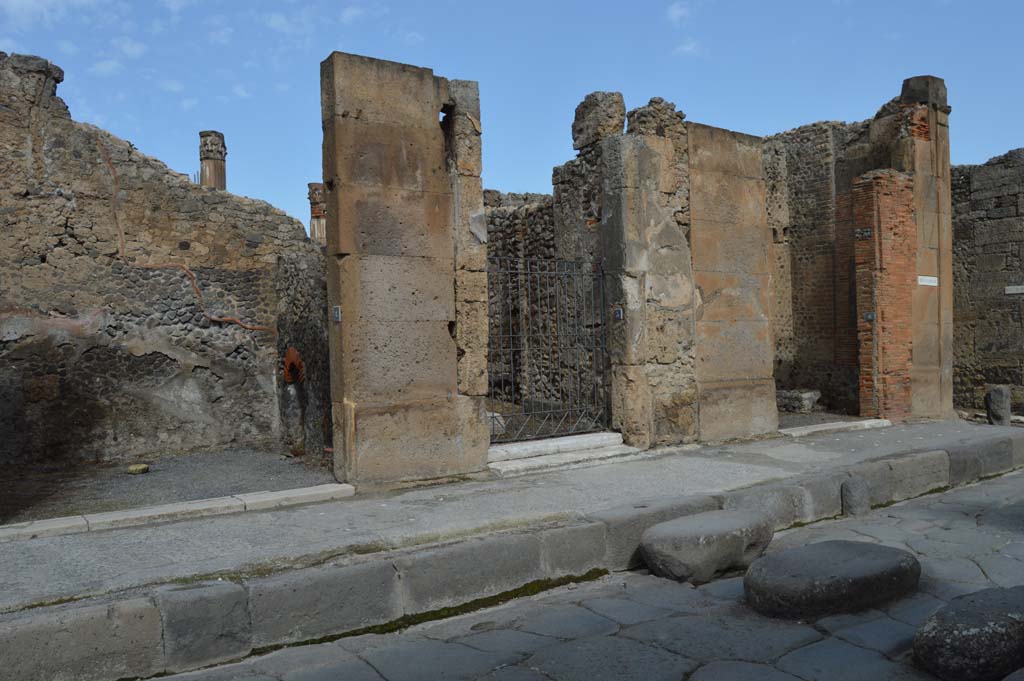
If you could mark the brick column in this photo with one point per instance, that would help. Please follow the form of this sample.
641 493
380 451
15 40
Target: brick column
213 155
885 257
398 223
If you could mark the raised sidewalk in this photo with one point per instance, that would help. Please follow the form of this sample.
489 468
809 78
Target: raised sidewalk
140 601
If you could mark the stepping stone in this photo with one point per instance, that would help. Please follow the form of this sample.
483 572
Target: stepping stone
829 577
976 637
695 548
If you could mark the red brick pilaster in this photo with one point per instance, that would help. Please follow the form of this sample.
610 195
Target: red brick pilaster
885 256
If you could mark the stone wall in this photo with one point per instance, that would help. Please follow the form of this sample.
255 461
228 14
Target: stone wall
141 314
988 209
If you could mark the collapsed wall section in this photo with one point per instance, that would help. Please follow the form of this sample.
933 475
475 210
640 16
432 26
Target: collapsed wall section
141 314
988 208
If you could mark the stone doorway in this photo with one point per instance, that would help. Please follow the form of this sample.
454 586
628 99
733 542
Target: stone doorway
547 359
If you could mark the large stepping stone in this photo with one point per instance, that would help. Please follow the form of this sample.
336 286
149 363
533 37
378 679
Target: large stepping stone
976 637
695 548
829 577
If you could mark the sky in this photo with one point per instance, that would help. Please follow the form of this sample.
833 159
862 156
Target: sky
156 72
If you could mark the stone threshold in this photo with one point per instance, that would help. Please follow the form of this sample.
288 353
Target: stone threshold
238 503
835 427
356 592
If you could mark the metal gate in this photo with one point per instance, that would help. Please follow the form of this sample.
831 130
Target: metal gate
547 361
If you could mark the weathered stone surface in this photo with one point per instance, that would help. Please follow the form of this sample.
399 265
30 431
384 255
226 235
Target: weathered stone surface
90 643
856 495
977 637
798 401
998 402
694 548
599 115
204 624
142 314
829 577
316 602
612 658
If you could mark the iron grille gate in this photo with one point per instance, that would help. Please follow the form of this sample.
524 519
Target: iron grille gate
547 359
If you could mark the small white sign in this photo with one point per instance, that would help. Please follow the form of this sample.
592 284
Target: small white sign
927 281
1010 290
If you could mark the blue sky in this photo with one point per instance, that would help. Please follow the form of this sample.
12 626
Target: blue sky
156 72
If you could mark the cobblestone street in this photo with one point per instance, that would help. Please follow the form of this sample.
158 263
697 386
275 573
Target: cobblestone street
634 626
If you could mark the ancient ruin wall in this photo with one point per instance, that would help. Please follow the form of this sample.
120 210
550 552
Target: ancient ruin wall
142 314
988 242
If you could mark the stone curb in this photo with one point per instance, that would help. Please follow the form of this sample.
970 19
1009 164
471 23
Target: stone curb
239 503
330 600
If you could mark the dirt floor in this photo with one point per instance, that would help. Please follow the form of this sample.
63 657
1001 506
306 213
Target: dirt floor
109 487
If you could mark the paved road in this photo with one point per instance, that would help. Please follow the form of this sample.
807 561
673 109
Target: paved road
632 626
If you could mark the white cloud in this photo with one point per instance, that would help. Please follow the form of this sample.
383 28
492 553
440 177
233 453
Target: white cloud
175 6
132 49
188 103
303 22
8 45
172 86
25 13
222 36
240 91
106 67
411 37
351 13
689 48
678 12
67 47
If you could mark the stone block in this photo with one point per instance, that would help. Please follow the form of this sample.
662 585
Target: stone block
599 115
572 550
394 156
717 150
736 204
639 162
730 297
697 547
470 286
998 405
856 496
395 289
918 473
84 643
369 89
631 405
385 362
471 336
627 337
415 440
784 505
971 461
626 524
797 401
458 573
300 605
822 494
372 220
470 225
737 410
669 333
719 247
734 351
204 624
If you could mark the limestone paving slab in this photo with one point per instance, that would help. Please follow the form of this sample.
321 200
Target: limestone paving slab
609 658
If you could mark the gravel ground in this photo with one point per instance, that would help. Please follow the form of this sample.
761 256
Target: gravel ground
108 487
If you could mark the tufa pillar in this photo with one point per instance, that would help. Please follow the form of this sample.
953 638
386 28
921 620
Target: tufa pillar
212 155
407 285
317 214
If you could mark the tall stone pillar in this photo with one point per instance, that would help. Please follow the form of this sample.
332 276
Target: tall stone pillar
212 155
402 188
317 213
